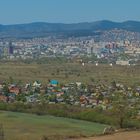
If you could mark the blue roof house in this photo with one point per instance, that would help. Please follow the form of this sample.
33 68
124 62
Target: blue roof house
54 82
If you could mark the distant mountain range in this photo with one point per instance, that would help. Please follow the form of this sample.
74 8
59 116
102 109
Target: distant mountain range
42 29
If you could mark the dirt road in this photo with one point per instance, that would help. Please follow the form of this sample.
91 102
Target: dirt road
117 136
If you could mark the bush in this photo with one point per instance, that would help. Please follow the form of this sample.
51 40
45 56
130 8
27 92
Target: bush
132 124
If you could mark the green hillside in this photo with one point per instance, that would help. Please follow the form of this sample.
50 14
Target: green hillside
21 126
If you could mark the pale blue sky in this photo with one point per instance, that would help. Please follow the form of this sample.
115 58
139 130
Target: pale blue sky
67 11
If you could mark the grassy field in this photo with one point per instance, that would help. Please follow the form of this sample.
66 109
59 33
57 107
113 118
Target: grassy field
69 72
20 126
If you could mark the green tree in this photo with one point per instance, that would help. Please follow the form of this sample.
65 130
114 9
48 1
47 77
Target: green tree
122 109
21 97
6 90
52 98
11 80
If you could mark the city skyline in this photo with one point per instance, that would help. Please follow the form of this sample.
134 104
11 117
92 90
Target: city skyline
67 11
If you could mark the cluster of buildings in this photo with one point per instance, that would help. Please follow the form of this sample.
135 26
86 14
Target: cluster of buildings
70 48
91 96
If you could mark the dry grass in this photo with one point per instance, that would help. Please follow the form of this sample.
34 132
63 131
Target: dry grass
70 72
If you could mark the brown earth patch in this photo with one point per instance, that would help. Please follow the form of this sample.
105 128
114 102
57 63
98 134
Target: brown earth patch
135 135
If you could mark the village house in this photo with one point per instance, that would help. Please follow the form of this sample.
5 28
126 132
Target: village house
37 84
54 83
3 98
14 89
122 62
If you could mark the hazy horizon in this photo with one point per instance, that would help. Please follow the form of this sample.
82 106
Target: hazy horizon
70 22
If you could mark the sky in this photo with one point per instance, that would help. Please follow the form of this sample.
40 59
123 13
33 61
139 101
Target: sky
68 11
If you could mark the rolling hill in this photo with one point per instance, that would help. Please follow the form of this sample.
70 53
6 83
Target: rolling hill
42 29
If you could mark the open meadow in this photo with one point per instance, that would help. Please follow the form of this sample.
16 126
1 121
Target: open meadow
69 72
21 126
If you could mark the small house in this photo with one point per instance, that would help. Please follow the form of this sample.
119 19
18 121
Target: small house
54 83
14 90
37 84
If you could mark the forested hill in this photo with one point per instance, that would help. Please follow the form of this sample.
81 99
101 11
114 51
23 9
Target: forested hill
42 29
